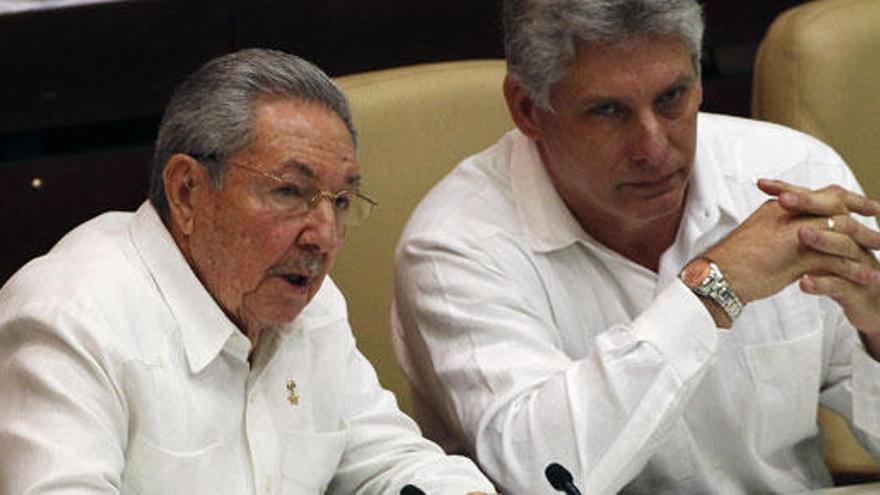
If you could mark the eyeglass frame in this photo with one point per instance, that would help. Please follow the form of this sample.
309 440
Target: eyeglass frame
311 202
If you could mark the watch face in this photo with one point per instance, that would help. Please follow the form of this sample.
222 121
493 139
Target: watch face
695 273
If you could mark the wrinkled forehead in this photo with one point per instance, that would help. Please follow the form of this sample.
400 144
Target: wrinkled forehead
317 161
303 139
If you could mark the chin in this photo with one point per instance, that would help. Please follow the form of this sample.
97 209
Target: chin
283 316
660 207
282 308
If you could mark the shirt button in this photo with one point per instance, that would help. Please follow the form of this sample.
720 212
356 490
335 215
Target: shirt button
252 398
267 484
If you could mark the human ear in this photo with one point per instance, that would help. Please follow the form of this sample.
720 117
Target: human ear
181 176
522 108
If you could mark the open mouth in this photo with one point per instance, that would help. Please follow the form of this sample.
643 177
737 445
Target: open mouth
296 279
301 272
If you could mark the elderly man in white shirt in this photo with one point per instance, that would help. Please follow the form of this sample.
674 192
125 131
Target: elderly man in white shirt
612 288
197 345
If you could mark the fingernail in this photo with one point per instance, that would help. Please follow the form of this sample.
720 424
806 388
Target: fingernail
807 284
773 184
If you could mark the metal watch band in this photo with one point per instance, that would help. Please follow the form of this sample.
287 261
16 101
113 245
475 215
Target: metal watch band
716 288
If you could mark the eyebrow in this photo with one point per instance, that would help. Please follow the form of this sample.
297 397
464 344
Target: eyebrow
682 81
307 172
302 168
298 166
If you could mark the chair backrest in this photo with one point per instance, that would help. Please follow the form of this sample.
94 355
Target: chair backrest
818 70
415 124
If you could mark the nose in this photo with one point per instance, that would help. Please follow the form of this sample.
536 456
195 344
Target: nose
648 140
321 232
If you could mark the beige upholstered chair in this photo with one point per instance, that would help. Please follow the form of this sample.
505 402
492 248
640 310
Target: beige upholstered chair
415 124
818 70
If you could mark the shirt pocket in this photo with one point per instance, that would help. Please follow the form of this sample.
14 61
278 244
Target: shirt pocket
152 469
787 378
311 458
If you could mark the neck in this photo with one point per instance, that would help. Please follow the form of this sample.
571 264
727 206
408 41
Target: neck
250 326
642 243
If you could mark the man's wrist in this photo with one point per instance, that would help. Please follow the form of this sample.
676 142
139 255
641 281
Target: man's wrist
705 279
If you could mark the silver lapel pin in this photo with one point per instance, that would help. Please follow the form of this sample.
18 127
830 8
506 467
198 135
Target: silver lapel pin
291 389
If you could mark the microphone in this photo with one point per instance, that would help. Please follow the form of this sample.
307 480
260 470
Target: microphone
560 479
411 490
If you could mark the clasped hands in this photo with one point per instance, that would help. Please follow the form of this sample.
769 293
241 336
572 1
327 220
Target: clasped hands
810 237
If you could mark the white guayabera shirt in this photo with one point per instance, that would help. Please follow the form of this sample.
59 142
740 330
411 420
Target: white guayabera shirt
119 374
531 343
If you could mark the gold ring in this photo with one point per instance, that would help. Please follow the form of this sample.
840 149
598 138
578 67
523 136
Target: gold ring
831 223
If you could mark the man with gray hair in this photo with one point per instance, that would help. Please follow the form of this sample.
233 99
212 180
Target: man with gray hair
197 345
612 285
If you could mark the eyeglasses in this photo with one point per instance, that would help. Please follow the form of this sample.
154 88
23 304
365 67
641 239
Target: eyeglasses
291 197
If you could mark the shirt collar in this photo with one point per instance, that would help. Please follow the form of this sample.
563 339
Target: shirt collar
550 225
204 327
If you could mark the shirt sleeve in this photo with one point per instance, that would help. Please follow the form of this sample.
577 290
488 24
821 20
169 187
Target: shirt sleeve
385 450
62 425
480 343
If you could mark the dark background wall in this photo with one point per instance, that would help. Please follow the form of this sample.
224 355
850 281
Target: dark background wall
83 86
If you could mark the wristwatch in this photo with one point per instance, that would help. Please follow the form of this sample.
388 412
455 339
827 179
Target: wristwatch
705 279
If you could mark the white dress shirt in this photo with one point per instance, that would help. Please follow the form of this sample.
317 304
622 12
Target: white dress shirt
120 374
528 342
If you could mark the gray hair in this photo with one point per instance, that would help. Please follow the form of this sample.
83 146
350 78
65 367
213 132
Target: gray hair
210 114
541 36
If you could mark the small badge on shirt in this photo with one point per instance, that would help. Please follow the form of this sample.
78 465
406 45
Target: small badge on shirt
291 392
